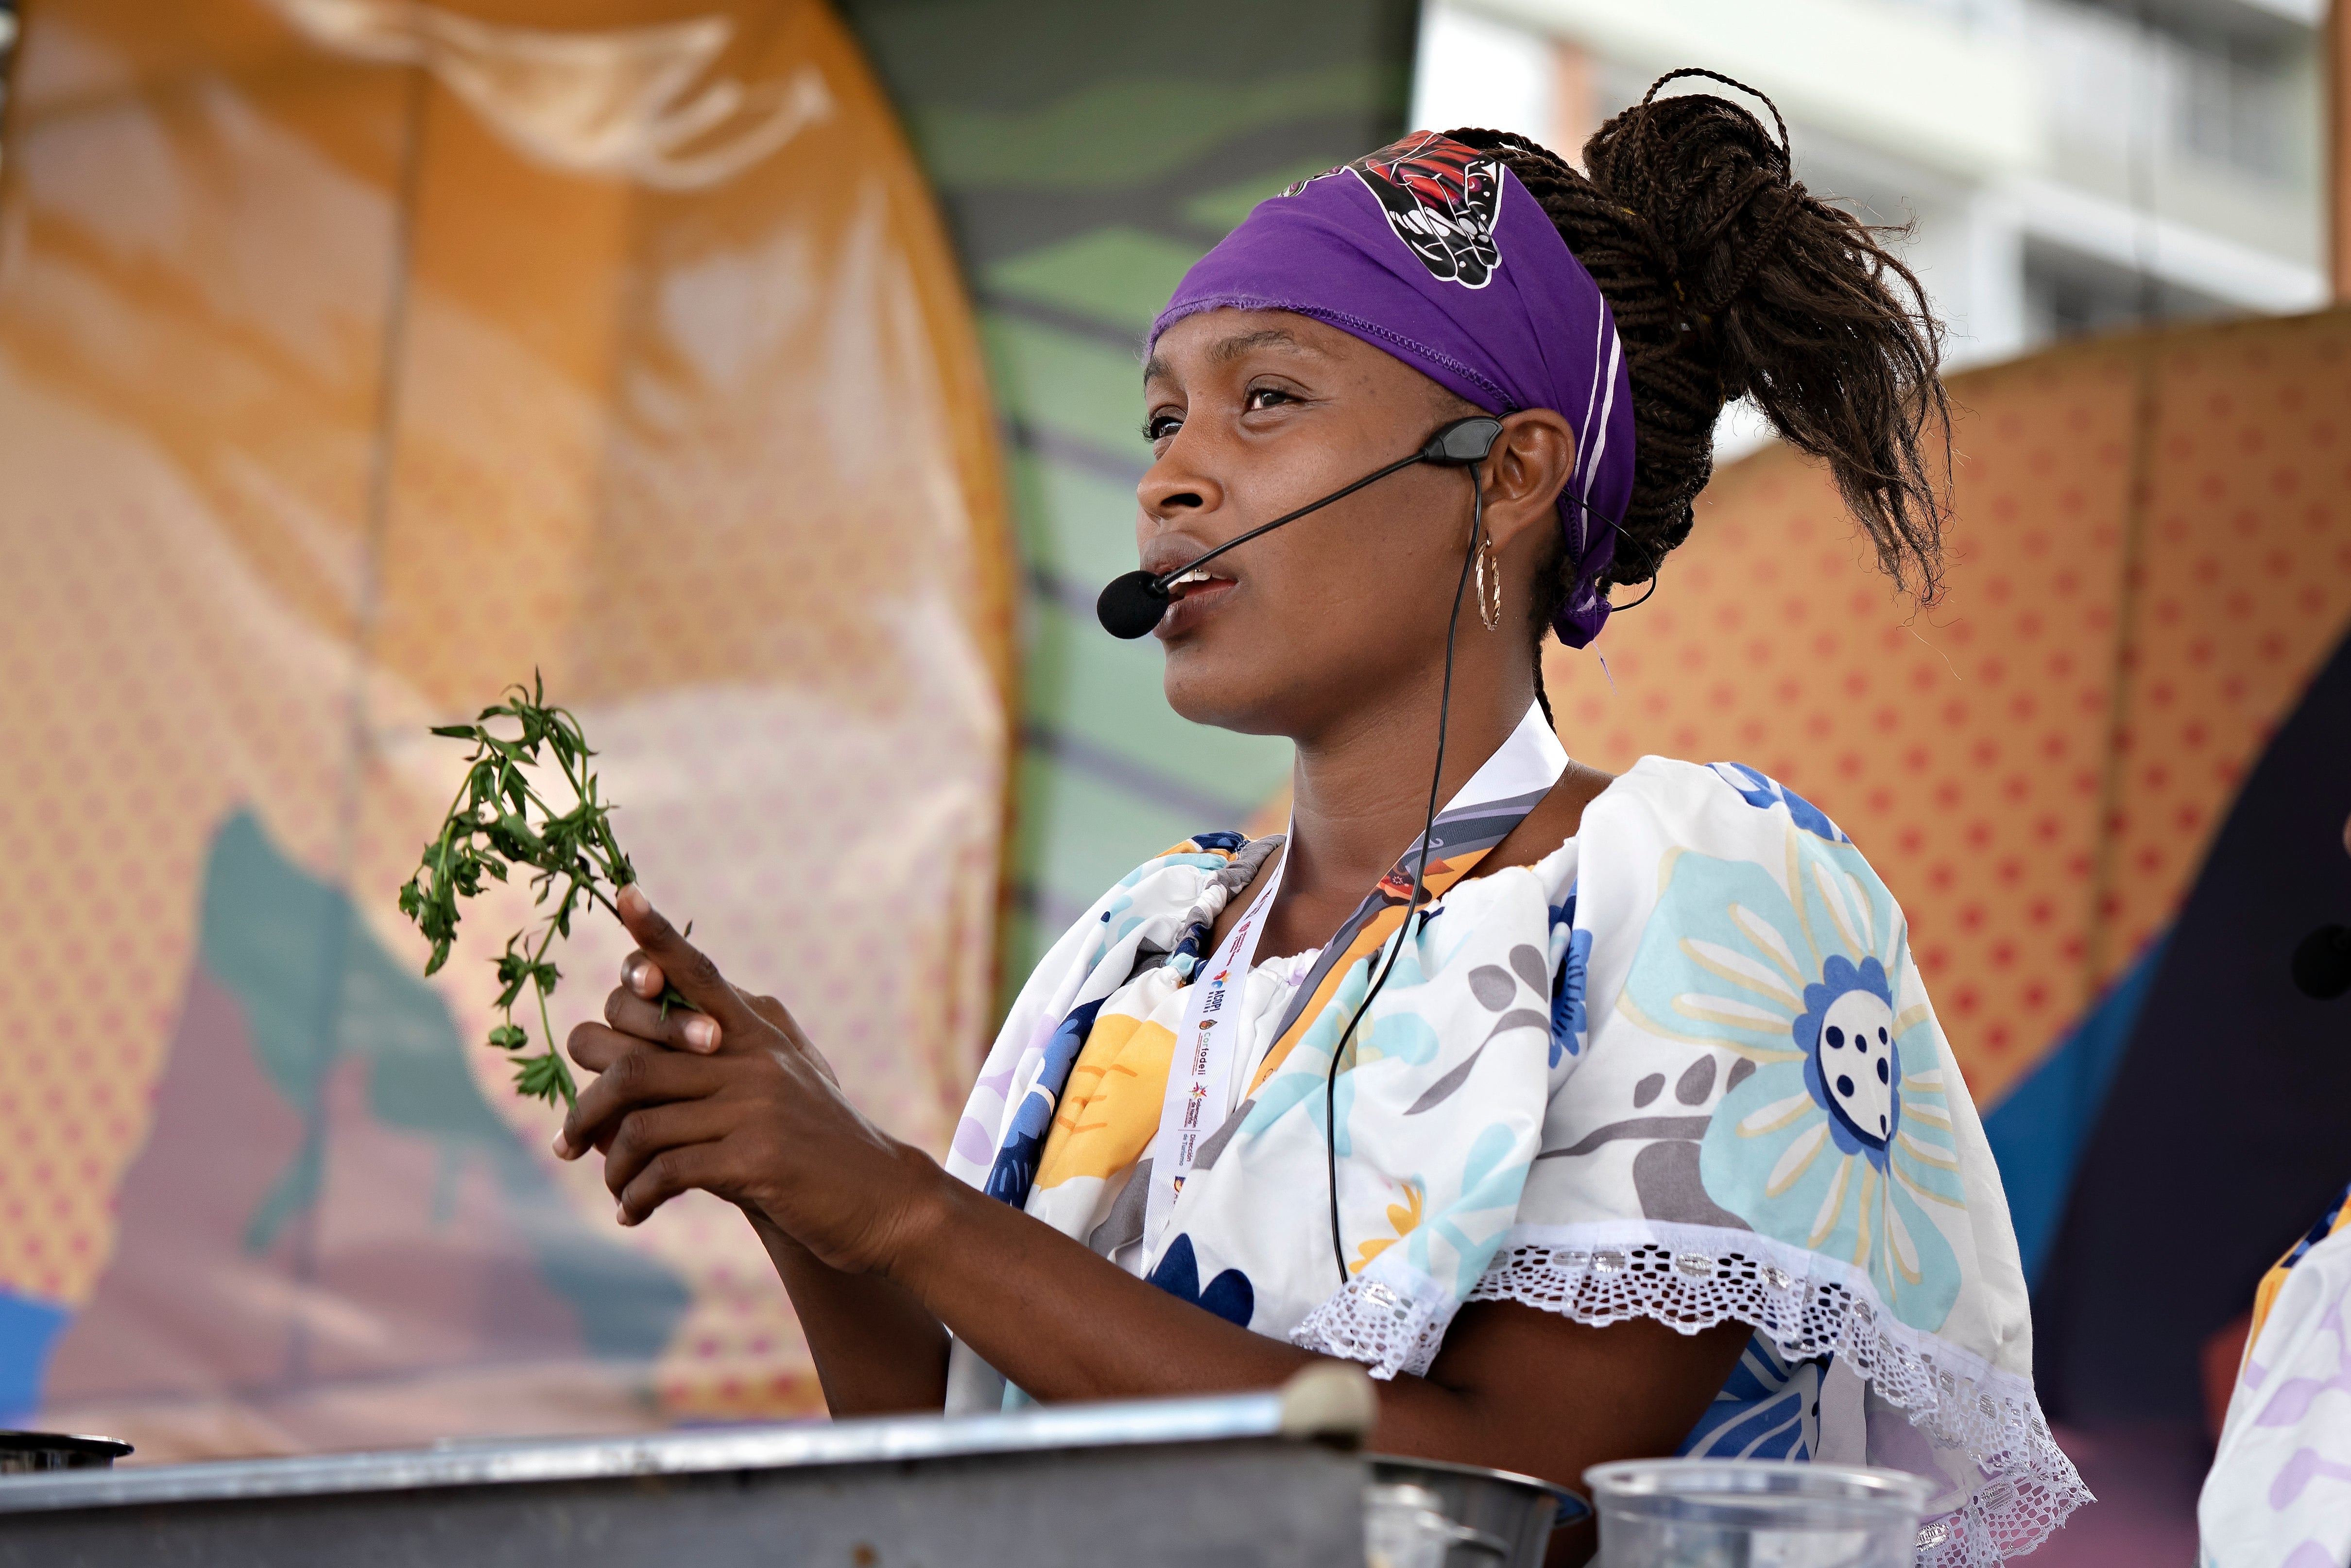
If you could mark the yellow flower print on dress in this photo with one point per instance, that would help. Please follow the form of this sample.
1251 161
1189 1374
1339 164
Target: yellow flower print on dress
1404 1218
1838 1137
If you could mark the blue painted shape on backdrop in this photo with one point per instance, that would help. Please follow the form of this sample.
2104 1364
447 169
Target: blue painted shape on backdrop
318 988
2038 1133
28 1332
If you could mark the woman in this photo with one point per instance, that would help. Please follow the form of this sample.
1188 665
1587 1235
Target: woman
1639 1136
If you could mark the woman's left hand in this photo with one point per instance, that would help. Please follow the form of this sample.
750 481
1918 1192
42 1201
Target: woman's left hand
734 1100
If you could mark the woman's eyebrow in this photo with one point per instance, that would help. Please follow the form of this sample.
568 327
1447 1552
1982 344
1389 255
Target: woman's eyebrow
1226 350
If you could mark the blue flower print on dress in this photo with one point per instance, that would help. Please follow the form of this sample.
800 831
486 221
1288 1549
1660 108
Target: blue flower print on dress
1768 1409
1015 1170
1852 1062
1763 792
1229 1295
1812 1147
1570 956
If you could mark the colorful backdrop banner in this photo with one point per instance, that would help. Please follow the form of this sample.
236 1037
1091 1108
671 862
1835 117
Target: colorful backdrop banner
356 359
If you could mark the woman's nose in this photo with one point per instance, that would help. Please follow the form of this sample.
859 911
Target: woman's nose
1175 487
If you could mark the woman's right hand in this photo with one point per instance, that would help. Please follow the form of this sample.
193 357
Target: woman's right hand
878 1351
734 1100
688 1028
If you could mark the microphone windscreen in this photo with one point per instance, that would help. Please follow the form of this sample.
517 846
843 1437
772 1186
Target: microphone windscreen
2322 964
1131 605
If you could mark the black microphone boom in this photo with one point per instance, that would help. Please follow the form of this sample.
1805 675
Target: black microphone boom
1132 604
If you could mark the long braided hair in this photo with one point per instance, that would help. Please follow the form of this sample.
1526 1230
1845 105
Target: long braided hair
1727 278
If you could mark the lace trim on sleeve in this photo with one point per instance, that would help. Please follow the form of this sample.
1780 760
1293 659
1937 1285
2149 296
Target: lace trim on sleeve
1799 1300
1371 1322
1958 1402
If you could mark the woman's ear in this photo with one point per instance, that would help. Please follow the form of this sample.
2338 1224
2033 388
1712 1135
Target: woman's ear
1525 472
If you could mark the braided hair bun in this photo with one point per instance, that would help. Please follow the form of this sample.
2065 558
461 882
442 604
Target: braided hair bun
1727 278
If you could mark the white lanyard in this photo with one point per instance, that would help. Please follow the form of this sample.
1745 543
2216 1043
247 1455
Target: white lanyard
1199 1077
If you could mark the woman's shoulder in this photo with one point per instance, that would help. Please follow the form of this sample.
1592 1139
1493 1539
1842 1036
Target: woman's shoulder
1205 854
1135 921
1166 885
1177 871
1662 811
1594 826
1704 805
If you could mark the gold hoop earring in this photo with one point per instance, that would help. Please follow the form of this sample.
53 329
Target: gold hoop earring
1489 585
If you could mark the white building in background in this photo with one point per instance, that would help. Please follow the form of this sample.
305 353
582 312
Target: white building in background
2068 165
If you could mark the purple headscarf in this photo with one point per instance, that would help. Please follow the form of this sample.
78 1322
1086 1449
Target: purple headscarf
1436 253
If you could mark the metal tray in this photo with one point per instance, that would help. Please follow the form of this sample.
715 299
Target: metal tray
1027 1488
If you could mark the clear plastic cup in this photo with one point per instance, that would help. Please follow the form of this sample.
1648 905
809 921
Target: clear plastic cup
1754 1513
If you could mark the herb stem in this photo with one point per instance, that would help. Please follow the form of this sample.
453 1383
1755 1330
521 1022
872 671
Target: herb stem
499 820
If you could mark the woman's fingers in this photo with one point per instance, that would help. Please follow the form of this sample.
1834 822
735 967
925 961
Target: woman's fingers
671 1171
640 974
675 1026
685 965
595 1047
632 1078
644 1135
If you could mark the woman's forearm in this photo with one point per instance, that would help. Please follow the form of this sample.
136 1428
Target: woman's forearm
878 1352
1515 1387
1061 1322
1064 1323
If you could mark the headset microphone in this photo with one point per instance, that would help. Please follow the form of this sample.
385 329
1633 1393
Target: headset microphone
1131 605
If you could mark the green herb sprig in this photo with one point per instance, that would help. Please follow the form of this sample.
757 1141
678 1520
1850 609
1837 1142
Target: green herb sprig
498 820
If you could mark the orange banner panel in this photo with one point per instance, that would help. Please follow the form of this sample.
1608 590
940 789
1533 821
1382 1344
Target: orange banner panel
356 359
2245 589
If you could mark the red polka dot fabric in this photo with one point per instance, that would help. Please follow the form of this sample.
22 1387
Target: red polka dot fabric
2150 554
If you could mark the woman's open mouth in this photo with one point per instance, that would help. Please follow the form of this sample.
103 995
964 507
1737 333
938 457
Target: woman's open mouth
1196 595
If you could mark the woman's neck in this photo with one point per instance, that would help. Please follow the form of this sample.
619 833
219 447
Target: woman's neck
1359 799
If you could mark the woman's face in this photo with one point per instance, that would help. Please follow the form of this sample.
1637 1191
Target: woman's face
1255 414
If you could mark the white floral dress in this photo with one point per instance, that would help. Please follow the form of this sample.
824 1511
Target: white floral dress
1682 1067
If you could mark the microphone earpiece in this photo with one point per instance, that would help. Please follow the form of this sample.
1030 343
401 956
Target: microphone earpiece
1463 442
1131 605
